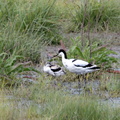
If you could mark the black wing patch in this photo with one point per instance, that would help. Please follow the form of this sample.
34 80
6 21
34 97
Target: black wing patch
78 65
56 70
88 65
74 60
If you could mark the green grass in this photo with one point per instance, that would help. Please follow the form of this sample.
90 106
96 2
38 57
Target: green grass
110 82
26 26
41 101
29 25
26 45
91 14
85 109
38 17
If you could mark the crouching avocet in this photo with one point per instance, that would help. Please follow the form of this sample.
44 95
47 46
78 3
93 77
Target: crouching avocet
53 70
76 66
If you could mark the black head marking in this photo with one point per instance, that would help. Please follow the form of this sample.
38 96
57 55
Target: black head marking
63 51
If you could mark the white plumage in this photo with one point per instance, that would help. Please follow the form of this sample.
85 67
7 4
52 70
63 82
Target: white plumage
76 66
53 70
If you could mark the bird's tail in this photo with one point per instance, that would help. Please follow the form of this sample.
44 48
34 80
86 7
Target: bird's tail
95 67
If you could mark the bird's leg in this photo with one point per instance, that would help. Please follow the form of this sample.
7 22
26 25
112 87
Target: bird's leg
84 77
70 85
79 83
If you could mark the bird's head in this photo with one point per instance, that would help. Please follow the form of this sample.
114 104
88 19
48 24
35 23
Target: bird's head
60 53
48 64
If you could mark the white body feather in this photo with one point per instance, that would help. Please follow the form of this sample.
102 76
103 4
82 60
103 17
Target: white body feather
77 66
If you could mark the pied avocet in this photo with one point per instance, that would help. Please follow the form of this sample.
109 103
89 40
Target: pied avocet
53 70
75 65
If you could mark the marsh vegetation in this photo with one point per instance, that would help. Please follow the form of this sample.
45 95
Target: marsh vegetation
29 29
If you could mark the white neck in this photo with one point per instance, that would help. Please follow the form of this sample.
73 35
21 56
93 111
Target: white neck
63 57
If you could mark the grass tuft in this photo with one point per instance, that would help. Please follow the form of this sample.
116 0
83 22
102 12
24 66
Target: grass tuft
103 15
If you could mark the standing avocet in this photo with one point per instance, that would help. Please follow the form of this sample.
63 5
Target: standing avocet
53 70
75 65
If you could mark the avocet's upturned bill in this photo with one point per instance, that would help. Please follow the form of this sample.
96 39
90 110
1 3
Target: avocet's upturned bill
53 70
75 65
